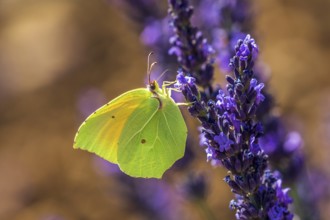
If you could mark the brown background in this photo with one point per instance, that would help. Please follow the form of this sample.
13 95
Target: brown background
52 53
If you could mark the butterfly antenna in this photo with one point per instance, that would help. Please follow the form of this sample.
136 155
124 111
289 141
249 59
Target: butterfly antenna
149 66
161 75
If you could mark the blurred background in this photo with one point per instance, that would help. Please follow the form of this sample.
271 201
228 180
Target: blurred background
60 60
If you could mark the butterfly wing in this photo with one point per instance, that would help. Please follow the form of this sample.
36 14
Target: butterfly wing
152 141
101 131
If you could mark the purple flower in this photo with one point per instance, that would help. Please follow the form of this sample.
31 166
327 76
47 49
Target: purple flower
233 138
243 52
278 212
244 49
225 103
257 87
181 80
202 138
254 145
192 50
223 142
209 153
282 194
234 21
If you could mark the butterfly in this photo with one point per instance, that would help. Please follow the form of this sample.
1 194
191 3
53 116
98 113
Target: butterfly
142 131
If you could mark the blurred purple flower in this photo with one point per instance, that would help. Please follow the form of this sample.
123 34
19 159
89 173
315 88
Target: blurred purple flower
152 33
314 186
89 100
194 187
152 198
156 198
293 141
105 168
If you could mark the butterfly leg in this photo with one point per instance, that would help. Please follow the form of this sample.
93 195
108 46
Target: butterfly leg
169 91
184 103
168 83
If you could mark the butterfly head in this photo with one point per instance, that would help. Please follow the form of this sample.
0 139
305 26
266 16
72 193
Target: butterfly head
153 86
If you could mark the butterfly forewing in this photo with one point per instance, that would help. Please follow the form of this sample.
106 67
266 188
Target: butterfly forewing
101 131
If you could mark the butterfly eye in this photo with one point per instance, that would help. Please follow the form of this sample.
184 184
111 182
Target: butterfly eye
152 86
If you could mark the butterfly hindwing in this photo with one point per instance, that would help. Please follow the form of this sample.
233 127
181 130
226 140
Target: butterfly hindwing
152 140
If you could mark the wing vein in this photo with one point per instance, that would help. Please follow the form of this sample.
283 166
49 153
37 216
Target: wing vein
168 126
144 125
157 138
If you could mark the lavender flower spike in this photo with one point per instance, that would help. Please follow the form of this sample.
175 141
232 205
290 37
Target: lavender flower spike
232 137
193 52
